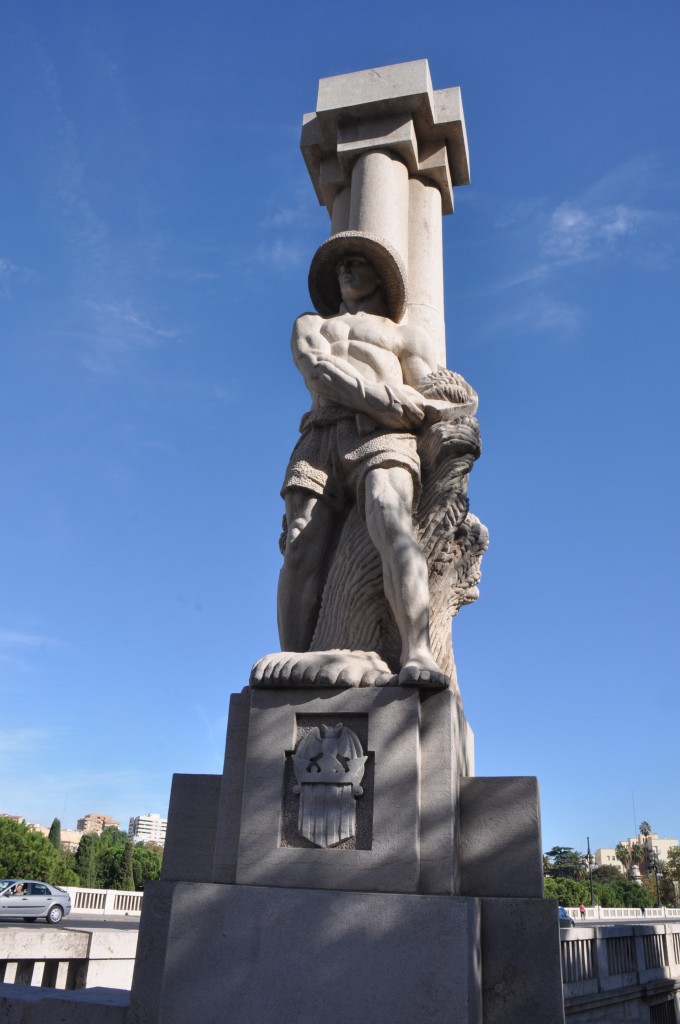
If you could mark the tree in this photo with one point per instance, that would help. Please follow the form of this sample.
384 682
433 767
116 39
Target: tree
673 863
146 863
126 879
623 855
566 891
110 857
639 857
607 873
645 829
87 860
28 854
564 862
54 836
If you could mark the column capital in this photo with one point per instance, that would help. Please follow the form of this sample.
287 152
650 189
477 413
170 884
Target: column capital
394 109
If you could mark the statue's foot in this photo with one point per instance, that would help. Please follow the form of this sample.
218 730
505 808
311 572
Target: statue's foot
425 672
321 668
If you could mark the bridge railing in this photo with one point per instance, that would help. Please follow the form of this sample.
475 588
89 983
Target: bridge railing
603 960
625 913
105 902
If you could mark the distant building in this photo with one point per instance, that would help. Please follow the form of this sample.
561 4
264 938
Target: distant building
96 823
42 829
148 828
605 857
13 817
655 847
70 839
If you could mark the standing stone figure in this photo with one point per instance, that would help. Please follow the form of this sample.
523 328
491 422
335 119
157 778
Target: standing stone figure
375 386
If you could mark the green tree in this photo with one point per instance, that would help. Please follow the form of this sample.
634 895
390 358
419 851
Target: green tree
28 854
564 862
111 854
126 879
146 863
87 860
567 891
639 857
54 836
623 855
622 892
673 863
607 873
661 875
645 829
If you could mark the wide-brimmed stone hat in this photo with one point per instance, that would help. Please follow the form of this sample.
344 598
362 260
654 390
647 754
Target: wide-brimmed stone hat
323 278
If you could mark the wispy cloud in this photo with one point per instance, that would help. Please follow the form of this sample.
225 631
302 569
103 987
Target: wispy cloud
279 254
609 221
120 329
11 274
539 313
20 650
107 262
17 743
11 638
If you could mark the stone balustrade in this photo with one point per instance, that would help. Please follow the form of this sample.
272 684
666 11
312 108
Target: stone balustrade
104 902
625 913
621 972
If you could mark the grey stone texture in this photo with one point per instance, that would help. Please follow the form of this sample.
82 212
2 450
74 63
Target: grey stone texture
193 813
22 1004
257 955
419 745
231 796
391 863
500 848
521 973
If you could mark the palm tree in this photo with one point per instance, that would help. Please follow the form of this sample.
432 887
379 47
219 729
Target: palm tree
645 829
639 857
623 855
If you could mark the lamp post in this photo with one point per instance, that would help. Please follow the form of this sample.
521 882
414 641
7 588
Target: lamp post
655 865
590 873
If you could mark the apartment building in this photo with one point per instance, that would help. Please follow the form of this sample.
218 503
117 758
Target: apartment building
96 823
148 828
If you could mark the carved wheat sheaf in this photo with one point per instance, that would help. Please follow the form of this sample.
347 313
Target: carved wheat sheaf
354 613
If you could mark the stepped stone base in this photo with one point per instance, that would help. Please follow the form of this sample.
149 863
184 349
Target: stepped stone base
240 954
434 913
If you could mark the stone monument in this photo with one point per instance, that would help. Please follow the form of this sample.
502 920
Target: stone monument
348 866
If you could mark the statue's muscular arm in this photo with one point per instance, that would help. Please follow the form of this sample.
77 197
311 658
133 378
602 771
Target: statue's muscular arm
417 354
392 405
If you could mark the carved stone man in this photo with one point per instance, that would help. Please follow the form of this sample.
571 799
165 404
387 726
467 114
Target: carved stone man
362 369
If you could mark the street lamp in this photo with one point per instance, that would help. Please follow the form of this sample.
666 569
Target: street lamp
655 866
589 861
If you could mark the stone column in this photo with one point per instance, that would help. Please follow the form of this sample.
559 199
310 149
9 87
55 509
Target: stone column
425 305
340 211
379 198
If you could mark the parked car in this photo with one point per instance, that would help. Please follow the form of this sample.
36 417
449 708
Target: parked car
28 899
566 921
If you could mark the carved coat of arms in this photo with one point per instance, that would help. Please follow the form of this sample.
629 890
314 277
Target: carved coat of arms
329 766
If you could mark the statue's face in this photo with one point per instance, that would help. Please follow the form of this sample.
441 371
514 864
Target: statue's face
357 277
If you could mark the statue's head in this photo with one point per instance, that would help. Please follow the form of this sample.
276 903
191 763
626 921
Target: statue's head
354 266
357 278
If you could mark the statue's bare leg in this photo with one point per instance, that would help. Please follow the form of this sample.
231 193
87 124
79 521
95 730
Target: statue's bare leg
389 502
310 522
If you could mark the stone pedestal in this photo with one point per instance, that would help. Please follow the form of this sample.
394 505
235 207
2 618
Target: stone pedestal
432 911
243 954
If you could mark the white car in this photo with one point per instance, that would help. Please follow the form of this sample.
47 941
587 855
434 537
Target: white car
27 899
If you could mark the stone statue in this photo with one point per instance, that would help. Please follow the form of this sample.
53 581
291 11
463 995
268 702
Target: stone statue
377 393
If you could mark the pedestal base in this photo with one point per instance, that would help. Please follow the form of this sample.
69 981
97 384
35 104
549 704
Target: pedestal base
227 954
258 955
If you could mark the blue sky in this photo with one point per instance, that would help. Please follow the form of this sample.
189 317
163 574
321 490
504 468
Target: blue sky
157 227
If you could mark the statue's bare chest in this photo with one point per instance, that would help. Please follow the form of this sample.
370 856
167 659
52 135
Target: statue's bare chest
351 334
